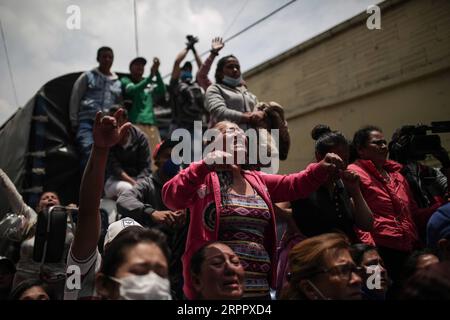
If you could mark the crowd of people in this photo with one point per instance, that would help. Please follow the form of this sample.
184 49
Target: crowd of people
364 220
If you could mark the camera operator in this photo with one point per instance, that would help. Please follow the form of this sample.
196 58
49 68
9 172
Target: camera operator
409 146
186 94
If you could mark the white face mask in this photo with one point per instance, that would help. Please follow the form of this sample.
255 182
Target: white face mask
147 287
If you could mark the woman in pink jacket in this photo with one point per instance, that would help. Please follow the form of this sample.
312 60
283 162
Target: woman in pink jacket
389 197
234 206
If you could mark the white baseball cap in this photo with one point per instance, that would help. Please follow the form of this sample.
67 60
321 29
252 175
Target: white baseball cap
116 227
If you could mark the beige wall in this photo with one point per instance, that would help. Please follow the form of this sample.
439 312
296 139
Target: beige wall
350 76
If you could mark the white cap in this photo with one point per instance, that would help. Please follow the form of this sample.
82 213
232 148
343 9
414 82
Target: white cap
116 227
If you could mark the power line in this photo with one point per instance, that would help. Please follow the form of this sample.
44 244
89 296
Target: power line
246 29
260 20
9 64
235 18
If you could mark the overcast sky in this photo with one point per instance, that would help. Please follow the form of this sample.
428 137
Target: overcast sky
41 47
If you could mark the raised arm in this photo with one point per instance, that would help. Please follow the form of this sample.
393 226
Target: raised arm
202 74
198 60
15 200
300 185
106 134
176 66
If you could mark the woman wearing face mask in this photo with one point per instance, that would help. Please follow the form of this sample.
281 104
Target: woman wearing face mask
234 206
229 99
135 261
27 268
144 204
321 268
217 273
135 266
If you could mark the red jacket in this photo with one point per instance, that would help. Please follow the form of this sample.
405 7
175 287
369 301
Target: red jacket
394 209
198 189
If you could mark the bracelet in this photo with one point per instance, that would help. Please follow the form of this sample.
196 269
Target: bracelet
214 52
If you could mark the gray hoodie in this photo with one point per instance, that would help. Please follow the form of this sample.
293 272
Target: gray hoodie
228 103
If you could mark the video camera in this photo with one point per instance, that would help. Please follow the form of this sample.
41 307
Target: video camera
191 41
414 142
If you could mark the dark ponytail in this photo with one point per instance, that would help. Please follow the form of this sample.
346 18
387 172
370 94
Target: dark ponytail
326 139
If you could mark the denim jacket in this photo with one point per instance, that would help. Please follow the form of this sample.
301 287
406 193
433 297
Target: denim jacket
92 92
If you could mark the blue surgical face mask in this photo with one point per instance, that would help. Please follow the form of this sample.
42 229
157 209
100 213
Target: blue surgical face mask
170 169
232 82
186 75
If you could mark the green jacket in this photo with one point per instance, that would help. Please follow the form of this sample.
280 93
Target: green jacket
141 111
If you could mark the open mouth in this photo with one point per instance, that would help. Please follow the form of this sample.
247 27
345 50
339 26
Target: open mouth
232 283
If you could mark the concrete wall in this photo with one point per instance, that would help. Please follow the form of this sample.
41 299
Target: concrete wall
350 76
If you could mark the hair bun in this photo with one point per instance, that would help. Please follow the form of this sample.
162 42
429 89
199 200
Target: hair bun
319 130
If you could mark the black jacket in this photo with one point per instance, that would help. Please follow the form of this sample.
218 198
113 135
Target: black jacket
141 200
134 159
